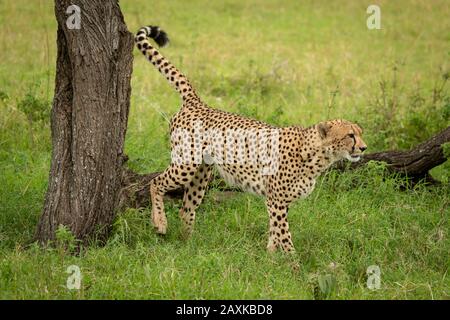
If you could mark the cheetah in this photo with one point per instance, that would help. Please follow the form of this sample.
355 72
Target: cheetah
279 163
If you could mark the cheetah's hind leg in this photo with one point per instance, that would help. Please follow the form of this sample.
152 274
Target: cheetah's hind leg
193 196
173 177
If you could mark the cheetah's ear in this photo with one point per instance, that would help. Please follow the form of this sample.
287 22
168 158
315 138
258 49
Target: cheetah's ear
323 129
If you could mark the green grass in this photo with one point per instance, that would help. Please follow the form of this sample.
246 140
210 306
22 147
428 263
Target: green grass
285 62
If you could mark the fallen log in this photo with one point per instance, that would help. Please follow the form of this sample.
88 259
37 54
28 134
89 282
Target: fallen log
414 163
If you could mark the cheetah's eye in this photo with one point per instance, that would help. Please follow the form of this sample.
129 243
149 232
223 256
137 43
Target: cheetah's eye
351 135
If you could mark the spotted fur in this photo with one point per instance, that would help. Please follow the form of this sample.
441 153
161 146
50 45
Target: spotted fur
301 154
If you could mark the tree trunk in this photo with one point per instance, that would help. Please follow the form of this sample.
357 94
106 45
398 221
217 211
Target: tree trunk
88 121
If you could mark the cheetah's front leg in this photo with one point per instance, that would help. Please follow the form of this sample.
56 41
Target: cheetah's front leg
279 235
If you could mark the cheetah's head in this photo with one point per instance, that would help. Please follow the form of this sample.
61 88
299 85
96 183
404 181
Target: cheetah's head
342 139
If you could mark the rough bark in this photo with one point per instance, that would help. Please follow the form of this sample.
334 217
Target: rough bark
88 120
414 163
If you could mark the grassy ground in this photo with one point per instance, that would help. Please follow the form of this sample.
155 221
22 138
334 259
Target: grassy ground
285 62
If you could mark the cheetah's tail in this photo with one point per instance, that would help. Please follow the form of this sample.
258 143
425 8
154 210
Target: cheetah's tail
167 69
